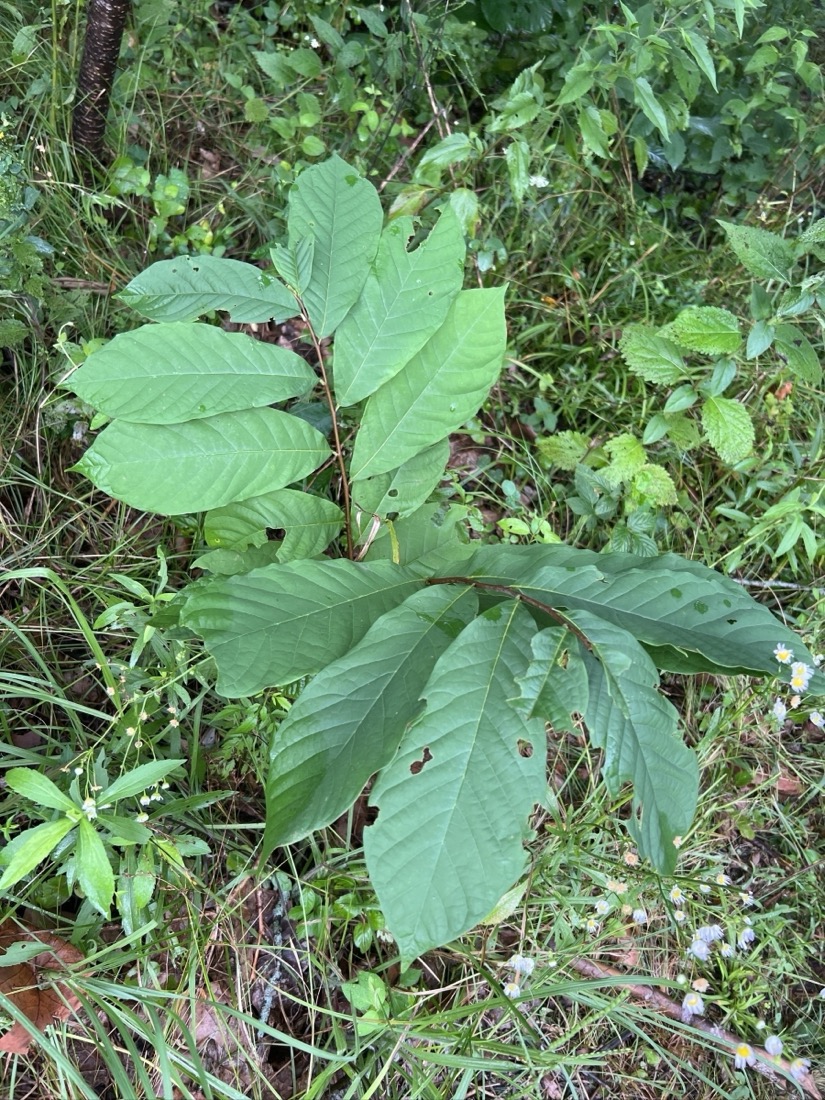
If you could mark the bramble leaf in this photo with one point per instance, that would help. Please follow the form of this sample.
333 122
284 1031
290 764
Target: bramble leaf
729 428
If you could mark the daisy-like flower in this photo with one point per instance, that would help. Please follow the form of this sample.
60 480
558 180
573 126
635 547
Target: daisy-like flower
89 808
773 1045
780 711
727 950
639 916
799 1068
522 965
800 675
676 895
677 841
511 989
602 907
680 916
746 938
701 985
709 933
783 654
722 879
699 950
746 897
704 888
816 718
692 1005
592 926
630 859
744 1056
616 887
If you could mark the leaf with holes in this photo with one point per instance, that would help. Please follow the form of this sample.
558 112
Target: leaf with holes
310 523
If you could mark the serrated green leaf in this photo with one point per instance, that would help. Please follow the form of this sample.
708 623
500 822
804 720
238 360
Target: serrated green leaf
646 99
728 427
453 804
39 789
189 286
654 484
348 721
93 869
310 523
341 212
401 492
202 464
590 127
814 234
564 449
554 687
794 348
404 301
517 158
438 389
636 726
651 356
170 373
30 848
764 254
627 455
577 83
708 329
277 624
668 602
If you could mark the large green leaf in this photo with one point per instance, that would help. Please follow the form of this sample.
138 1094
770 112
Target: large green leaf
30 848
554 687
794 348
166 374
189 286
667 602
332 205
39 789
729 428
404 300
765 255
310 523
454 802
637 728
348 721
276 624
652 357
401 492
432 527
204 463
94 871
439 389
707 329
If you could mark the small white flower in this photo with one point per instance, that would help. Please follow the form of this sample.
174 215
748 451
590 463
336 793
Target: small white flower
818 659
746 938
90 808
773 1045
821 994
143 716
701 985
692 1005
522 965
631 859
800 675
783 654
680 916
780 711
699 950
110 691
130 731
676 895
141 818
727 950
511 989
709 933
704 888
639 916
744 1056
816 718
722 879
592 926
616 887
799 1068
78 771
602 907
761 1025
538 181
678 841
746 897
145 800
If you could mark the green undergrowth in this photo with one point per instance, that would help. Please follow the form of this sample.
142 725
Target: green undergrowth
287 985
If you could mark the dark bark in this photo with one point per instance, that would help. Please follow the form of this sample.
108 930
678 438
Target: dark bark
105 21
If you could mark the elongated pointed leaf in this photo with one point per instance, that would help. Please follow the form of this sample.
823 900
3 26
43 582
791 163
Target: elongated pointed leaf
348 721
638 729
30 848
310 523
667 602
554 687
332 205
166 374
401 492
39 789
454 802
94 871
764 254
189 286
439 389
138 779
204 463
794 348
276 624
404 300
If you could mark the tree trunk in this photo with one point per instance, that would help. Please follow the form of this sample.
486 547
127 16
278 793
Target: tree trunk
105 20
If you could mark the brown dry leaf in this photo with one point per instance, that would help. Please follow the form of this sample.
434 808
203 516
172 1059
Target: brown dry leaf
783 783
43 1004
